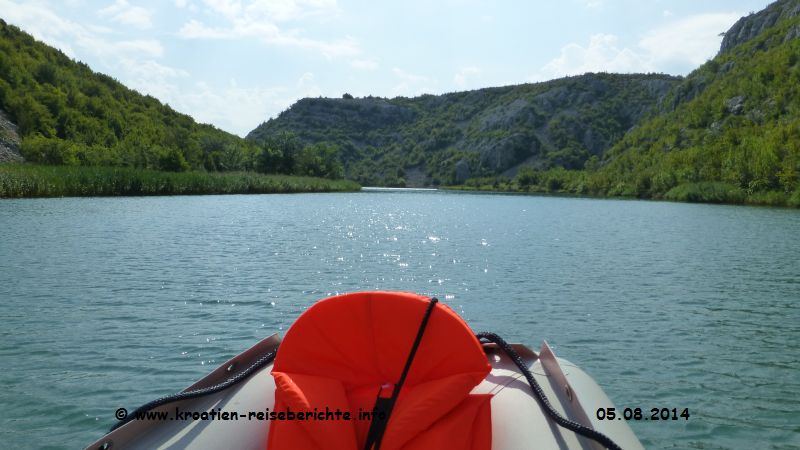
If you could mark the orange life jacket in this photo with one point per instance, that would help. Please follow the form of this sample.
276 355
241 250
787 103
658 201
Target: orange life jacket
344 350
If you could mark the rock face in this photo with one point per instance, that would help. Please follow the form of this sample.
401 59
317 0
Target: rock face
735 105
9 140
737 112
751 26
484 132
793 33
462 171
357 115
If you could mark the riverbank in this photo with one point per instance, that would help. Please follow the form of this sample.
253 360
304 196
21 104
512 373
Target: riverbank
704 192
28 180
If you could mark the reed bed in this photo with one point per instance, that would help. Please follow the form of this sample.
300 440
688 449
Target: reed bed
28 180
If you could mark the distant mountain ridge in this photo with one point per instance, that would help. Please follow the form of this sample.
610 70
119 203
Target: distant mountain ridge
729 131
449 138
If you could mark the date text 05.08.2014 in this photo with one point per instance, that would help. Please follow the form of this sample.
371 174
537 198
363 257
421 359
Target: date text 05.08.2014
661 414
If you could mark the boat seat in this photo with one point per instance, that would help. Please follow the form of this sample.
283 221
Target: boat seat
345 351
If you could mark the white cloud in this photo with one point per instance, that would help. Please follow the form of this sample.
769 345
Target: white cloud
602 54
194 29
412 84
233 108
181 3
307 86
230 9
346 47
688 42
305 80
122 12
66 35
286 10
152 78
258 19
677 47
100 29
409 76
145 47
460 78
364 64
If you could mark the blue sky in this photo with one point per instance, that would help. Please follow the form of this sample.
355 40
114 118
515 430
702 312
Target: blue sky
236 63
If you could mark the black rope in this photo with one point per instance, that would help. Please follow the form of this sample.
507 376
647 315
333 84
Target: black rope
384 406
263 361
542 399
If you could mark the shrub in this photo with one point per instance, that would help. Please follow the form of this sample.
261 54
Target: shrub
706 192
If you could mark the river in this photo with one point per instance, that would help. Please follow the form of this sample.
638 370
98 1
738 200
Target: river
110 302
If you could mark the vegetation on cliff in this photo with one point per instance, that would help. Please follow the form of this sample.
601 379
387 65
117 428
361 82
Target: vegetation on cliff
734 120
449 138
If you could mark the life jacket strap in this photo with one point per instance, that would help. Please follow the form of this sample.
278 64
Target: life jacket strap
384 405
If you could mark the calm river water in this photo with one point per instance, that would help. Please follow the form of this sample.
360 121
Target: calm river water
110 302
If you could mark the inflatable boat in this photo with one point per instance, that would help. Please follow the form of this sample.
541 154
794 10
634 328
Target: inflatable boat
380 370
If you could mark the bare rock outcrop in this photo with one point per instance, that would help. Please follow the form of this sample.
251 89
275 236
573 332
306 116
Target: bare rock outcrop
9 140
750 26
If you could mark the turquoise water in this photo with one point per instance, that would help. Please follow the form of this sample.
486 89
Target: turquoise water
113 302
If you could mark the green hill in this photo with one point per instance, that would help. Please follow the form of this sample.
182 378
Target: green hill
731 128
58 112
68 114
65 114
450 138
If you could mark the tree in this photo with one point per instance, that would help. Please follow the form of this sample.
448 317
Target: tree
278 154
173 161
526 176
320 160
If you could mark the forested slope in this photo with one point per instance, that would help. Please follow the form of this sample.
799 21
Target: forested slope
68 114
735 120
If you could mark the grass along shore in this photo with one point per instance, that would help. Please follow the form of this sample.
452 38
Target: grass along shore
700 192
28 180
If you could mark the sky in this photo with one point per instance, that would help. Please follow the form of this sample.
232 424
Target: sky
237 63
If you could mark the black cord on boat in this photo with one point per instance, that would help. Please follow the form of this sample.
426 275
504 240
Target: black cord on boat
385 405
263 361
538 393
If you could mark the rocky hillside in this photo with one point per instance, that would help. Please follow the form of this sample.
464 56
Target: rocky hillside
735 120
450 138
9 140
755 24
